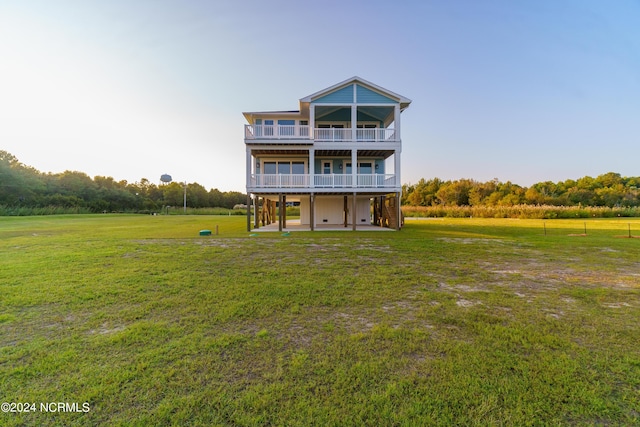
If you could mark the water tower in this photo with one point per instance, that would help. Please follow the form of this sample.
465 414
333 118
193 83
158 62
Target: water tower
165 178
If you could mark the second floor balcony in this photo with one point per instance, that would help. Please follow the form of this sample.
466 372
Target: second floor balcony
323 181
333 134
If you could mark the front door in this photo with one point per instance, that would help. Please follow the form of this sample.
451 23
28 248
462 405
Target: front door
365 174
347 178
325 179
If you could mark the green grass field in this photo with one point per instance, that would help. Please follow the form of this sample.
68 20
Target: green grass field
447 322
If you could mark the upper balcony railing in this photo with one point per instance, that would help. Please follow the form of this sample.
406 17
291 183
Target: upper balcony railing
269 132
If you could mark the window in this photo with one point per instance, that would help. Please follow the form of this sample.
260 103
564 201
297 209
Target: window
269 168
365 168
297 168
286 127
268 127
284 168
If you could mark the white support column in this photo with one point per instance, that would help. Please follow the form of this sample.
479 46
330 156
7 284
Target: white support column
312 207
354 213
396 120
312 166
312 121
354 167
399 212
354 121
396 167
248 166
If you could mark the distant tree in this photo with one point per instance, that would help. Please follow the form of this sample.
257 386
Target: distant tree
233 198
480 192
610 179
216 198
173 194
455 193
197 196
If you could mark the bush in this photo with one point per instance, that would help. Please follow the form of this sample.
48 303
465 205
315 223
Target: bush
520 211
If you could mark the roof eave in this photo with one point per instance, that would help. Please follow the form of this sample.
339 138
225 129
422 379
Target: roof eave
404 101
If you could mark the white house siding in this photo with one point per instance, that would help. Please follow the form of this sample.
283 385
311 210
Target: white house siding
331 209
363 211
304 210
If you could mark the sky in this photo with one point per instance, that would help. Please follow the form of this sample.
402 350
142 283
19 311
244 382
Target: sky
521 91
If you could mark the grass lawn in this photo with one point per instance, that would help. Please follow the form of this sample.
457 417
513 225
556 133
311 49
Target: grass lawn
454 321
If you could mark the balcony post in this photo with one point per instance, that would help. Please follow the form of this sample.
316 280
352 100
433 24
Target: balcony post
248 166
396 121
312 167
354 167
312 121
354 121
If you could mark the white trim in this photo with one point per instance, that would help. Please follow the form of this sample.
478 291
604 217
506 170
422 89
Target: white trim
354 80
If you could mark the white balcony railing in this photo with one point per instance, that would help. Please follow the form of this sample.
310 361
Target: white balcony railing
322 181
262 132
376 134
332 134
276 132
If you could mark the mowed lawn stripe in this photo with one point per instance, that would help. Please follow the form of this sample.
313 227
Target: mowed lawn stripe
456 321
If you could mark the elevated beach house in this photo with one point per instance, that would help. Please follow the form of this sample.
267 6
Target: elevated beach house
337 158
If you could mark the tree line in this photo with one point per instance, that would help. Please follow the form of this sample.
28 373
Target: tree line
607 190
24 186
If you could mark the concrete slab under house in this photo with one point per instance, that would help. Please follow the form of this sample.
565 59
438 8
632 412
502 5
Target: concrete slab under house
337 158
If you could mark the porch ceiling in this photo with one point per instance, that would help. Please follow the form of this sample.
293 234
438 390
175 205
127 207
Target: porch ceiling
365 113
264 151
347 153
299 195
323 153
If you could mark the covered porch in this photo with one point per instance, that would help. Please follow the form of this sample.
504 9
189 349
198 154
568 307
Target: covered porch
337 211
295 225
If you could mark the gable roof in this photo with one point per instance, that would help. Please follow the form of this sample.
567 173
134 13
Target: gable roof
404 102
304 102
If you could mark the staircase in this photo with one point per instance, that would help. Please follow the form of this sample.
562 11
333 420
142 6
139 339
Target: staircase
390 213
